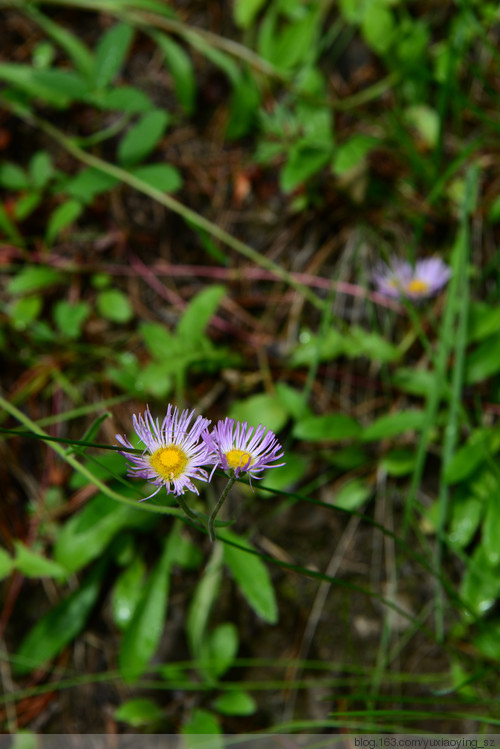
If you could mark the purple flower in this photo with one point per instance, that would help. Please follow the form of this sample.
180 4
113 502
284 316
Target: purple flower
399 278
174 451
238 448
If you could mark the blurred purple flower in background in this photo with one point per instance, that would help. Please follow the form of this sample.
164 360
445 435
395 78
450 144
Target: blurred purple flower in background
400 279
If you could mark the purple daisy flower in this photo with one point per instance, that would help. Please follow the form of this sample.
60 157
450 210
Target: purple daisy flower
236 447
400 279
174 451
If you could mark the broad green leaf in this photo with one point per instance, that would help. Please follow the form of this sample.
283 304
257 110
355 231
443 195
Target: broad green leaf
88 183
304 160
244 107
349 154
143 137
63 216
6 564
65 83
8 228
87 534
25 77
127 592
126 99
264 409
426 121
41 169
110 464
491 529
487 641
196 318
139 712
202 723
312 348
114 305
391 425
378 28
26 204
245 11
60 625
25 310
252 577
181 67
161 176
33 278
466 511
371 345
154 380
235 703
221 649
184 552
160 343
31 564
414 381
467 458
283 479
143 634
484 361
69 318
330 427
12 177
111 53
481 584
484 321
398 462
352 495
292 400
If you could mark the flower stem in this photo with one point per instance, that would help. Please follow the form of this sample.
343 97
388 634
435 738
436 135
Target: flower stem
217 507
187 510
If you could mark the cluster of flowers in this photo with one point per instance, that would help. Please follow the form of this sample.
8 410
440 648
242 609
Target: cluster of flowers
175 452
400 279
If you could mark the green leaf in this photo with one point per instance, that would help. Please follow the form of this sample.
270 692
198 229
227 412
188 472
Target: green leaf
330 427
59 626
398 462
126 99
139 712
33 278
352 495
378 28
245 12
161 176
111 53
114 305
220 649
88 183
127 592
392 425
12 177
264 409
304 160
467 458
158 340
481 584
288 475
196 318
467 511
349 154
235 703
203 723
25 310
313 348
181 67
414 381
144 632
41 169
8 228
6 564
484 321
153 379
66 83
202 600
244 107
491 528
252 577
63 216
88 533
69 318
484 361
487 641
31 564
371 345
24 77
143 137
26 204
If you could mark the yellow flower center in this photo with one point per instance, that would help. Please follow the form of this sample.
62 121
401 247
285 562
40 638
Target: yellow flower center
238 458
417 287
169 461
